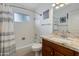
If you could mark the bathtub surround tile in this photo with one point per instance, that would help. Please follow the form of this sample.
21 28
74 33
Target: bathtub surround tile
7 40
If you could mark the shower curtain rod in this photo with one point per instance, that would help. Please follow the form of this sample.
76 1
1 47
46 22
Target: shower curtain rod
24 9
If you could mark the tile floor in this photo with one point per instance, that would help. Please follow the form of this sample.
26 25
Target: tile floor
23 52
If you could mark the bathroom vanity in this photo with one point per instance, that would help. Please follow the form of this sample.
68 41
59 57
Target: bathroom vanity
56 46
65 38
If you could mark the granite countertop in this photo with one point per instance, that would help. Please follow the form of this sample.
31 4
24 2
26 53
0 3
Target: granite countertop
69 42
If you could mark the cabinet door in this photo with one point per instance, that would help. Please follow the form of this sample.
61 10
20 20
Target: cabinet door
43 51
49 51
46 50
57 54
76 53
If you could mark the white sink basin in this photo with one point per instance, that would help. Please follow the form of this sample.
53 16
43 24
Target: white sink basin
62 40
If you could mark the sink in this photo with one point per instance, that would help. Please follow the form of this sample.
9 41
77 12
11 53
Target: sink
63 39
67 40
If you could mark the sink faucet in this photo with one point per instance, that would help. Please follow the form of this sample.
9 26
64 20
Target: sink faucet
64 35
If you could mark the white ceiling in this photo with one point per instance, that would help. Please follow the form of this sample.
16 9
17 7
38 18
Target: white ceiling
34 6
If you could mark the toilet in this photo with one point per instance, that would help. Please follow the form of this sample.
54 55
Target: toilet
36 47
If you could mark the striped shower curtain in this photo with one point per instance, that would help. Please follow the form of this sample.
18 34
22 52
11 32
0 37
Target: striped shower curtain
7 40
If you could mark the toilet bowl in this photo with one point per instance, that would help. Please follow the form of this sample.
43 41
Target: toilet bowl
36 47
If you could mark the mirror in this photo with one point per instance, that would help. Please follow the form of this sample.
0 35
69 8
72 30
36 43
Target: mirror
66 18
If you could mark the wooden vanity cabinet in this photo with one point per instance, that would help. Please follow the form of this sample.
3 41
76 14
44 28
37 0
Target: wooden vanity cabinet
56 53
46 50
52 49
76 53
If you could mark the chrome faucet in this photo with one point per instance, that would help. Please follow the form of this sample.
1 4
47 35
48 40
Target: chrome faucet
64 35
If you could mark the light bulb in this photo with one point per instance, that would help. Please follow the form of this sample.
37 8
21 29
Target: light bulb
57 7
53 4
61 5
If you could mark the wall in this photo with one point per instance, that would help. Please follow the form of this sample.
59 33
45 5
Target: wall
73 10
44 29
74 22
24 29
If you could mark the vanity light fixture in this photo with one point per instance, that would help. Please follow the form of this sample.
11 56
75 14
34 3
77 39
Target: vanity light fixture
57 7
53 5
61 5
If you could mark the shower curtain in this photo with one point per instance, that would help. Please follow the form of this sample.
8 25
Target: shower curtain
7 39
